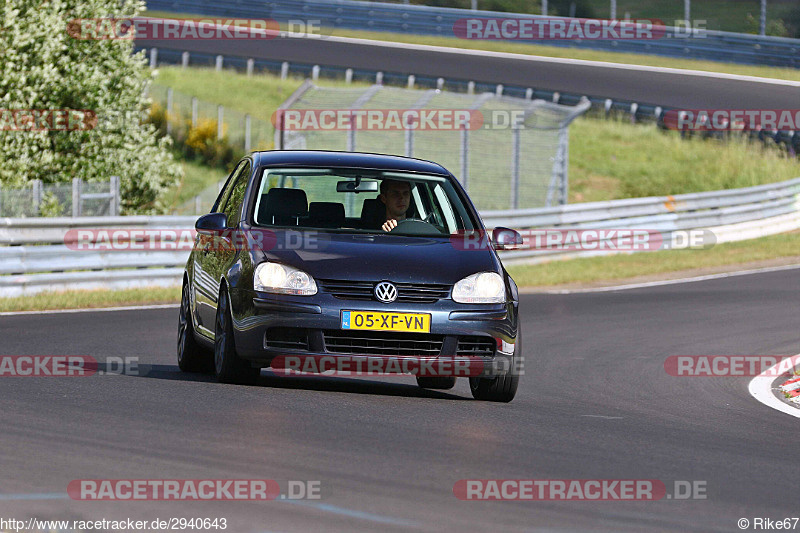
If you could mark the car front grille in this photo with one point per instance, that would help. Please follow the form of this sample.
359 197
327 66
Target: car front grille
379 343
476 346
406 292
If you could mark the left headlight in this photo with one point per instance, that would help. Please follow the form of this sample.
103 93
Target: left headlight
480 288
283 279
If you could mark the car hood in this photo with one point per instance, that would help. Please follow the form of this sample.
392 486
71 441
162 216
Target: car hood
375 257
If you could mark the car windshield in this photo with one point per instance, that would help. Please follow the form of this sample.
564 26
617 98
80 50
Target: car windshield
360 201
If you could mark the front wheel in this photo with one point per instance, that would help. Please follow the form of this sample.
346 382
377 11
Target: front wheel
191 356
228 366
501 388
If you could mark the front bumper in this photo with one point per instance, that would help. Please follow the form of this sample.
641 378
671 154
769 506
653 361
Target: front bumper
455 332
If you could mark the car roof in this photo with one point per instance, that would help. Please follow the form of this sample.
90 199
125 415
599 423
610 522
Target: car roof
320 158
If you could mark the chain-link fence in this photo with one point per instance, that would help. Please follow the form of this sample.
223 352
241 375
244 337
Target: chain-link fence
184 110
78 198
510 153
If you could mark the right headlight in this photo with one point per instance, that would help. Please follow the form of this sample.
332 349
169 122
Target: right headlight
480 288
283 279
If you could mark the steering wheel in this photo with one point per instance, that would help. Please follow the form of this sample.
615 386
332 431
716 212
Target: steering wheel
415 226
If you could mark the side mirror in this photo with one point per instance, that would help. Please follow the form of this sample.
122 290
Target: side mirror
211 224
505 239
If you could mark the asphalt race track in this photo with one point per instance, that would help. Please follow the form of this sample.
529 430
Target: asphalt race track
669 89
595 403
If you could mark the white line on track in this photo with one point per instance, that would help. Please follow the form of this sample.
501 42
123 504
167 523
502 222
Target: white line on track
91 310
721 275
546 59
760 388
529 57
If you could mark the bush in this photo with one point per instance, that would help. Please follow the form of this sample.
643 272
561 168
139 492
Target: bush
775 28
46 68
792 21
51 207
198 143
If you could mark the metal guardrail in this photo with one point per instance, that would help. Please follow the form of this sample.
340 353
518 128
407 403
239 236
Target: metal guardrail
426 20
730 214
36 254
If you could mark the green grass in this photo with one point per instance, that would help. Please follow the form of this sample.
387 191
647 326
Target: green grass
91 299
559 52
196 179
259 95
622 266
609 159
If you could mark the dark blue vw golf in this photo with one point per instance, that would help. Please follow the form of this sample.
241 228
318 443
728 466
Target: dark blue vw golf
339 255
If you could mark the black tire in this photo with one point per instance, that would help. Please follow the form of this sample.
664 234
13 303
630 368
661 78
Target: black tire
501 388
191 356
438 382
228 366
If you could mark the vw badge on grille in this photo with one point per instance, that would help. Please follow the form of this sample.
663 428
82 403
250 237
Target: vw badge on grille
385 292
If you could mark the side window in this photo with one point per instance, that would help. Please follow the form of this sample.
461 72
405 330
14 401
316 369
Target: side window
232 206
226 189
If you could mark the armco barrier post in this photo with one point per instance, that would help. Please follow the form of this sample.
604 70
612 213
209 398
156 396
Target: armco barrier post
218 63
351 138
114 207
563 140
515 145
464 155
284 70
76 197
153 57
36 186
185 60
250 65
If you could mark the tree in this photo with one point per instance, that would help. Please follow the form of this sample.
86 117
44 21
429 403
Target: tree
44 67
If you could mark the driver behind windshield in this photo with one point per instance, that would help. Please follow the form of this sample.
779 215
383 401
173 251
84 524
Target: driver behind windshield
396 196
